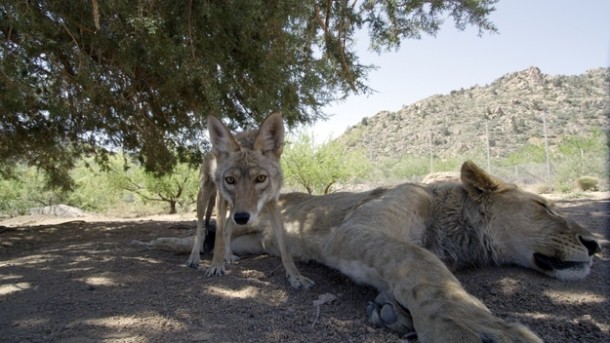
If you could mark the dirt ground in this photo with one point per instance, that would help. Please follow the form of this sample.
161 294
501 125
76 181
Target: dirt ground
81 281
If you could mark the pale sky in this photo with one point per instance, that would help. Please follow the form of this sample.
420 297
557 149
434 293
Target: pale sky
565 37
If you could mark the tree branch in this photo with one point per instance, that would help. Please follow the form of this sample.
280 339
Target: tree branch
327 188
324 24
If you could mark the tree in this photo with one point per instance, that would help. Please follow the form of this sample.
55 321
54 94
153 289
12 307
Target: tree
176 188
26 191
91 77
318 169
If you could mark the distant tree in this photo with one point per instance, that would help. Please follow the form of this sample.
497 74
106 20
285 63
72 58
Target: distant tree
29 189
97 76
319 168
176 188
93 189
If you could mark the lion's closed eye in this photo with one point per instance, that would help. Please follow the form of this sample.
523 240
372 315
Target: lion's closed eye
548 206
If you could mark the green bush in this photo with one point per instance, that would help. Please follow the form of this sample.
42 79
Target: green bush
587 183
544 189
319 168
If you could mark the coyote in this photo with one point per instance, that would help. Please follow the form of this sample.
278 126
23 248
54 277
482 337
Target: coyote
245 172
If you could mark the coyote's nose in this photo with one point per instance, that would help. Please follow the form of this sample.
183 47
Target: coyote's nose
241 218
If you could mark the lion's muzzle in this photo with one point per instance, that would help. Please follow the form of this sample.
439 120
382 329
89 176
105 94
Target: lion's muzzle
592 246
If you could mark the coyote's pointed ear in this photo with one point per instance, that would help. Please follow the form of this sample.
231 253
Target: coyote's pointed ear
270 137
221 137
476 181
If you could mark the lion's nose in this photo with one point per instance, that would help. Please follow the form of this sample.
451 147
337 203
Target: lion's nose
241 218
591 245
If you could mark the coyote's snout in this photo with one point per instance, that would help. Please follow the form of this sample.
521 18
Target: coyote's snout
245 171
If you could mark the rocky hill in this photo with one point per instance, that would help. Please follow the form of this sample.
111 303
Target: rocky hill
511 109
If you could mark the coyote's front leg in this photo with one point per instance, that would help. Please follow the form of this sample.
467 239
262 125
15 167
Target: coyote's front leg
193 260
217 268
296 279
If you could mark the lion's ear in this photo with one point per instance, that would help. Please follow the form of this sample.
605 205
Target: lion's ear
270 137
221 137
476 181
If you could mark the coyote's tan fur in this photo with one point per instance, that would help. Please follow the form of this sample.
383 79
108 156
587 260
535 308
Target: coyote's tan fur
402 239
245 172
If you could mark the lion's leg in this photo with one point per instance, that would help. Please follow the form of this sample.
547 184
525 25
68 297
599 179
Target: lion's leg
249 244
442 310
172 244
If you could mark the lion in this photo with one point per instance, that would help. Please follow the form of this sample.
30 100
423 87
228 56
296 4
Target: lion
405 239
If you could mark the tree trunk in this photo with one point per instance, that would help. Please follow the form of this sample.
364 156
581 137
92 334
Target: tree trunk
172 207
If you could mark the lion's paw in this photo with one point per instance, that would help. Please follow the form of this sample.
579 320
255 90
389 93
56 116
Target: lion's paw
478 325
385 312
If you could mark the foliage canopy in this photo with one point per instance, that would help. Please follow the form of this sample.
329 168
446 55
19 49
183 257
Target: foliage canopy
89 77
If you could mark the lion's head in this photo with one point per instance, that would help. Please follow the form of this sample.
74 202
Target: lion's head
526 230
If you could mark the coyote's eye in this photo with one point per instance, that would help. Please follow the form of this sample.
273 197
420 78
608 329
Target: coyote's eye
261 178
230 180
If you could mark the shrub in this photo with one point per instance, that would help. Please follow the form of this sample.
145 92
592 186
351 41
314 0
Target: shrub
587 183
544 189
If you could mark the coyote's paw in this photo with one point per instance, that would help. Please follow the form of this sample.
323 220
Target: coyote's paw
216 270
193 262
300 281
385 312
